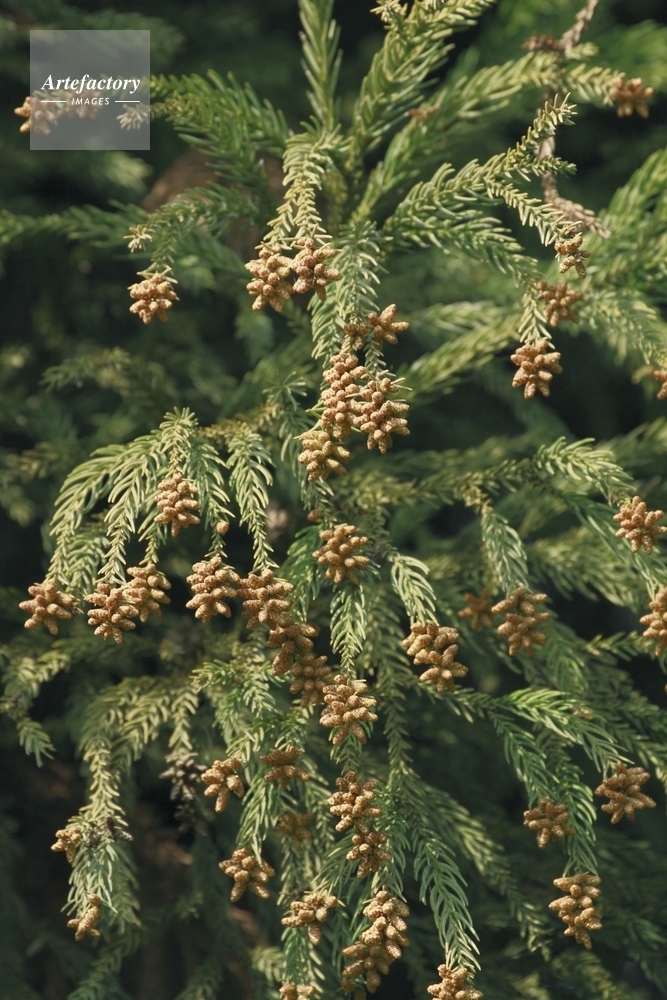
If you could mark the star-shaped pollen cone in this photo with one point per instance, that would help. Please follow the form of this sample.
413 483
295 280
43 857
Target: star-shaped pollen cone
638 525
558 299
269 285
577 909
630 96
623 789
571 254
384 327
521 619
248 872
537 367
660 375
657 621
340 553
452 985
311 270
154 296
347 707
478 610
48 606
549 821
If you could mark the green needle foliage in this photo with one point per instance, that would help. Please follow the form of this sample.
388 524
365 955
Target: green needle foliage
377 673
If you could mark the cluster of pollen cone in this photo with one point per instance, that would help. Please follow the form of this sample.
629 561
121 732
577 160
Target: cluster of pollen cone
352 400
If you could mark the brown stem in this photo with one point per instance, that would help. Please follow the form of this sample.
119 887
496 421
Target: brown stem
573 35
571 211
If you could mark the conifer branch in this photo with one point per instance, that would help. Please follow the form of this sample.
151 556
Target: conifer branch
412 50
440 370
321 57
622 319
308 158
226 113
409 579
466 520
441 885
505 552
451 111
23 678
348 622
249 479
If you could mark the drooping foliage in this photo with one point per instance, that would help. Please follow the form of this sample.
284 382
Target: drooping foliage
338 547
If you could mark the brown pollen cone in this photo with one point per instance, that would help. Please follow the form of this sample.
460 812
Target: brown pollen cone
377 416
558 298
630 96
24 112
212 584
339 553
453 985
549 821
428 646
367 849
85 926
154 295
183 772
623 789
384 328
283 767
265 600
146 590
578 909
294 639
310 912
661 377
295 826
369 961
347 708
379 945
311 270
39 114
521 619
68 840
269 285
177 503
356 332
48 606
321 455
638 525
536 368
572 255
222 780
112 612
343 374
311 675
248 872
353 801
290 991
657 621
478 610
